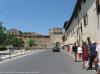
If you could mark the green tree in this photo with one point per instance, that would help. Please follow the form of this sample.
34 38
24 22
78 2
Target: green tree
2 29
21 43
14 41
10 38
7 39
31 42
3 37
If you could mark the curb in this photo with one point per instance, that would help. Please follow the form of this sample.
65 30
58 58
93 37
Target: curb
16 55
68 53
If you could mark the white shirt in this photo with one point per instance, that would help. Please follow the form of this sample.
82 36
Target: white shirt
79 50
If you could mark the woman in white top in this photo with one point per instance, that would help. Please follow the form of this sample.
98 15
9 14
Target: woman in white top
98 56
79 51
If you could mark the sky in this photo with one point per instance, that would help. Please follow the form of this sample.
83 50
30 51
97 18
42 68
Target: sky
35 15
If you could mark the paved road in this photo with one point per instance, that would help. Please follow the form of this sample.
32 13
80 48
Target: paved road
45 62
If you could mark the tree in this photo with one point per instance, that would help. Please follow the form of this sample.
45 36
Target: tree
31 42
2 29
3 37
21 43
7 39
14 41
10 38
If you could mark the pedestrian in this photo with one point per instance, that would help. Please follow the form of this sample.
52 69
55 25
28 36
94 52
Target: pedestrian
79 52
85 55
97 59
68 48
74 49
89 41
92 54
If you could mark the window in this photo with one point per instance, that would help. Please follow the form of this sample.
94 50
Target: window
80 8
77 31
98 6
84 1
68 33
73 31
81 27
85 20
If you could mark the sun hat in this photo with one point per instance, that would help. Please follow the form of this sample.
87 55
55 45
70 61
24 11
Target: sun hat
93 42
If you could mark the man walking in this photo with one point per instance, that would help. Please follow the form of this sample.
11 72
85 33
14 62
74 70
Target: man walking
92 54
74 49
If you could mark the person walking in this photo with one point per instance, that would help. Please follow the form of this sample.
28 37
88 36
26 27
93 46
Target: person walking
79 52
85 55
92 54
74 49
68 48
97 59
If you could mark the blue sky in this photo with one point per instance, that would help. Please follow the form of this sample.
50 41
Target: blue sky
35 15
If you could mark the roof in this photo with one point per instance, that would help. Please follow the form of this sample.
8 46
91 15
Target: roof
14 30
75 12
65 24
32 33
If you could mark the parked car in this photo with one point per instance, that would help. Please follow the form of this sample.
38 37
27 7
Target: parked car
56 49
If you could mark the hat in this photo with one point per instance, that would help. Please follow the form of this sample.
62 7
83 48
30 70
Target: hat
93 42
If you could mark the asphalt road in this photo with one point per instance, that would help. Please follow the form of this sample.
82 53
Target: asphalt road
45 62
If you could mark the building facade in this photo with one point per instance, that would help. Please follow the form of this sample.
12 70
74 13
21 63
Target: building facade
84 23
41 41
56 35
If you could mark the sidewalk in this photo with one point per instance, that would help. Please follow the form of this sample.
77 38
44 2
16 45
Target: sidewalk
17 53
68 53
79 64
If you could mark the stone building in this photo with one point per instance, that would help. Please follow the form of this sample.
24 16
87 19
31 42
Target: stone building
41 41
15 31
84 22
56 35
